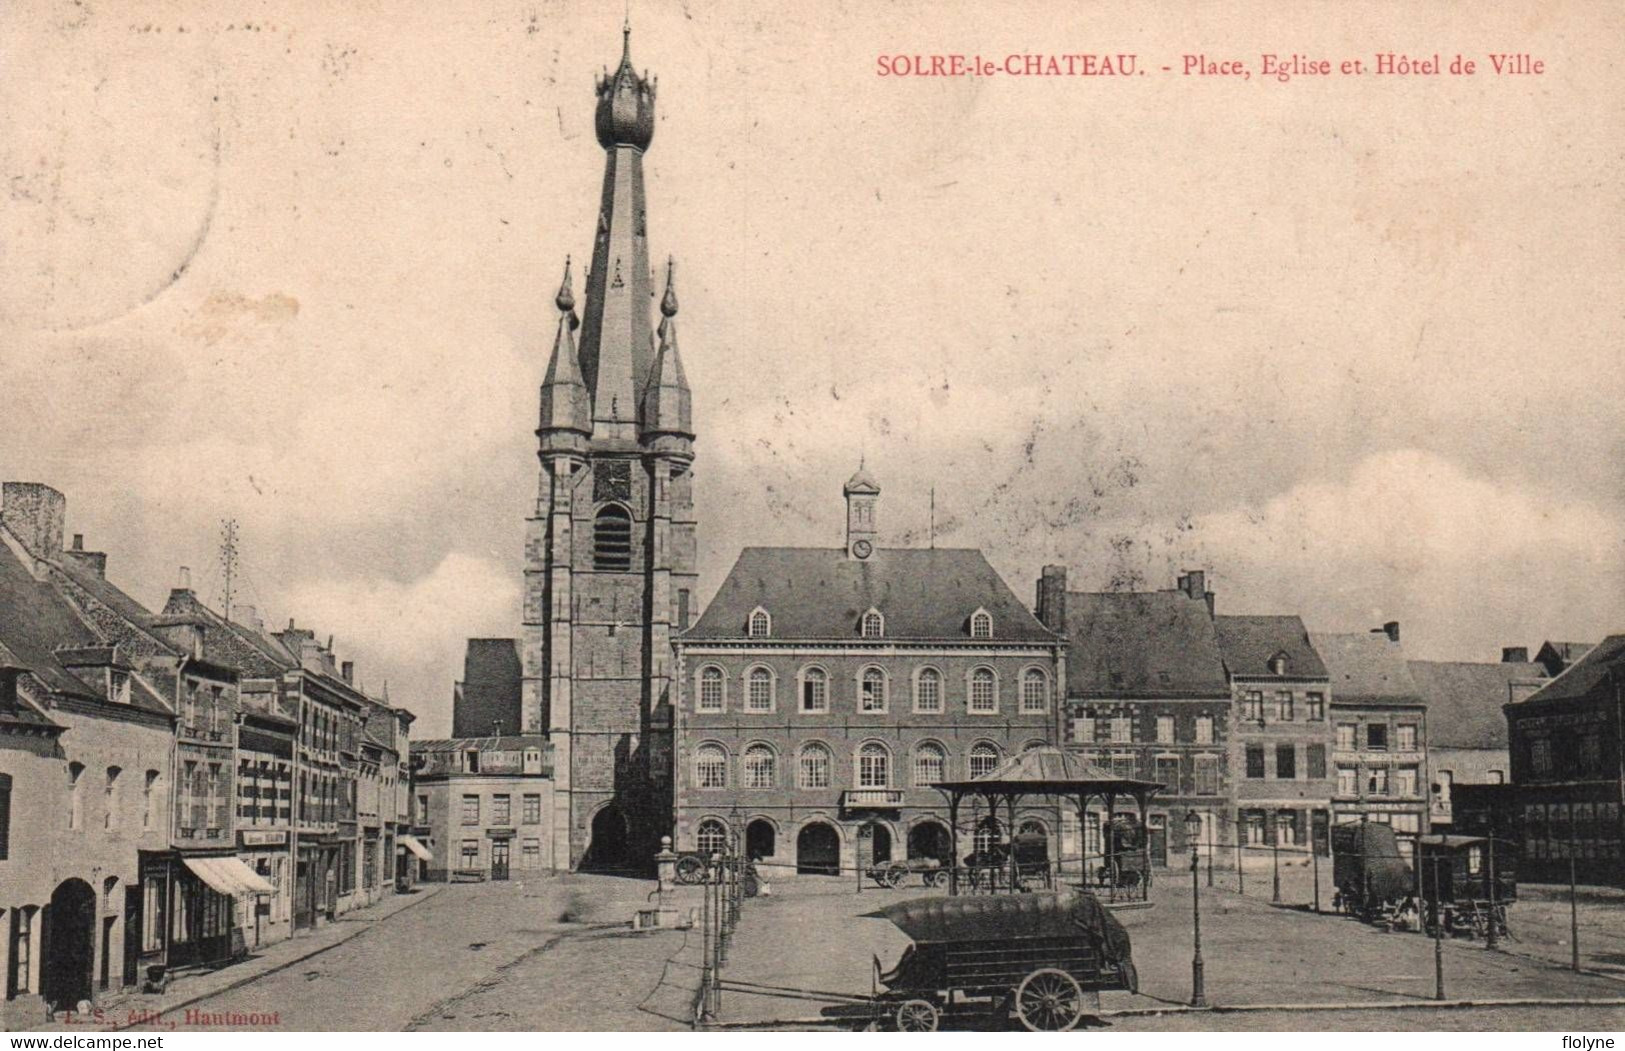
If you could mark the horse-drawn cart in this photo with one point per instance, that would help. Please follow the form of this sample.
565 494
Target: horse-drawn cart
1042 956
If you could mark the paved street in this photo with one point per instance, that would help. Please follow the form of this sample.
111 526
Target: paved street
545 954
1256 955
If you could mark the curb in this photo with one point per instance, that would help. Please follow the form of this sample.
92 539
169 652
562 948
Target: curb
1178 1009
361 929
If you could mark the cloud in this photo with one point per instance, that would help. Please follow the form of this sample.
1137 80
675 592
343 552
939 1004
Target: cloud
416 627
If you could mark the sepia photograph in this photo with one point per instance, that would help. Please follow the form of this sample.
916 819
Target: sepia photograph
1095 560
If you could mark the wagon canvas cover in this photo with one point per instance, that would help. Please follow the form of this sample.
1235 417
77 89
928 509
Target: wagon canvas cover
994 919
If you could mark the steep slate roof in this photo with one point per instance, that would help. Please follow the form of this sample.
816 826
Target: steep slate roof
820 593
1366 668
108 594
1142 644
1248 643
1586 674
1465 698
34 621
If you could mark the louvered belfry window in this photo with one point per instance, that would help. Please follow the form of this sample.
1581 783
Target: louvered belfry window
612 539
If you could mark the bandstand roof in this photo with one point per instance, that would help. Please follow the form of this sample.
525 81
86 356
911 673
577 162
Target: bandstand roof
1049 770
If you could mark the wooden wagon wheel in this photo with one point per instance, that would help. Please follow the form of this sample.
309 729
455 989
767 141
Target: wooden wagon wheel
1049 1001
934 877
690 869
893 875
917 1016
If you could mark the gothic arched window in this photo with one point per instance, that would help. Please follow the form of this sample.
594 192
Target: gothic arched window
983 759
612 539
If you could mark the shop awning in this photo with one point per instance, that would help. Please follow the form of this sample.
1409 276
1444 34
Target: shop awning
411 843
228 876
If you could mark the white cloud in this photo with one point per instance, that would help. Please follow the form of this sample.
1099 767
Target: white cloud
412 631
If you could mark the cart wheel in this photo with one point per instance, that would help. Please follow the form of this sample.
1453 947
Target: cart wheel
917 1016
1049 1001
893 876
690 869
934 879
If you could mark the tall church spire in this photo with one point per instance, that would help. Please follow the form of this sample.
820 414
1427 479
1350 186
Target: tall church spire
616 351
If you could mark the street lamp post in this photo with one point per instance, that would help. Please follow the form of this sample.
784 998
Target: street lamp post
1490 941
1193 829
1275 863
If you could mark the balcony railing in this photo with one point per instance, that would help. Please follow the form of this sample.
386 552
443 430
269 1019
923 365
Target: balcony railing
872 798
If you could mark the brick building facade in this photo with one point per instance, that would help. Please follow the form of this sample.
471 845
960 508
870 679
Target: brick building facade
824 691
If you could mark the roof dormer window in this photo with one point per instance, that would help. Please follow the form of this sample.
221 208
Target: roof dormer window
761 624
1278 664
873 625
981 625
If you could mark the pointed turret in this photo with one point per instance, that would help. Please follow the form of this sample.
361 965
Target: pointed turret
666 399
566 408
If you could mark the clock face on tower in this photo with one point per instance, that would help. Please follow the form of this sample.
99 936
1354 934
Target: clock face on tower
862 548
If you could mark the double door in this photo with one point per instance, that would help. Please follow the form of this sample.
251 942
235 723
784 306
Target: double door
499 859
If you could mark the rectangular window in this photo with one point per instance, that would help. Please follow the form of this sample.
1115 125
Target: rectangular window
711 690
471 853
471 810
1283 706
1540 756
1589 760
871 693
501 810
1345 737
1168 772
1287 829
1405 781
682 609
1204 729
1376 737
1083 729
152 914
1252 706
814 692
984 697
1123 765
1346 780
1207 775
1165 729
1286 762
1255 762
5 816
1376 782
1122 729
928 691
814 767
1315 707
1405 738
759 691
533 808
531 854
1315 760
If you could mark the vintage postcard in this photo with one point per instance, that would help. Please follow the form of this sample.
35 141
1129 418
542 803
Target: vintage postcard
538 515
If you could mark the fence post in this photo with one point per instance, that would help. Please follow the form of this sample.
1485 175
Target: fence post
1241 875
707 949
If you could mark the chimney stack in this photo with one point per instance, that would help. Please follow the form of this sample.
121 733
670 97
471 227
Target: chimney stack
1515 655
1052 598
94 561
185 581
1193 582
34 514
1390 629
78 541
347 672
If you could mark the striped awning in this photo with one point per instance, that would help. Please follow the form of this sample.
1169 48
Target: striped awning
411 843
228 876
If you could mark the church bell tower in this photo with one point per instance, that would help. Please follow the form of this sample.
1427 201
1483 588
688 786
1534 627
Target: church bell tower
610 550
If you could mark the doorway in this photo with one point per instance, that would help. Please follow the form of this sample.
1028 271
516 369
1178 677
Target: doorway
931 839
1159 839
499 859
874 845
818 850
761 840
608 847
70 945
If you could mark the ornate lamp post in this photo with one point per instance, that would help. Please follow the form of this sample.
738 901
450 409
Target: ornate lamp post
1193 832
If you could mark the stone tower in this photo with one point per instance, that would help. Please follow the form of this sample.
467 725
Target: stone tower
610 551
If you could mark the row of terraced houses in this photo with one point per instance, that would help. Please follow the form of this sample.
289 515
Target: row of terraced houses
177 786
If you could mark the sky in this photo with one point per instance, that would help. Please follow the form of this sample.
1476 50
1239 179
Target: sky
1351 345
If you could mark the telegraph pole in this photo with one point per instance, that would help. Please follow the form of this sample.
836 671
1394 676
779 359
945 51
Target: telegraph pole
228 564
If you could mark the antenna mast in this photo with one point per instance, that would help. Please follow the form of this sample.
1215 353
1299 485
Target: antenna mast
228 563
933 517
